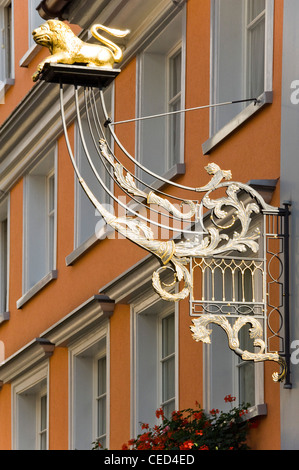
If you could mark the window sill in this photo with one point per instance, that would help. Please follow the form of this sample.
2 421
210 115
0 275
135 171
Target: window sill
4 86
29 56
241 118
256 411
4 316
76 254
177 170
36 288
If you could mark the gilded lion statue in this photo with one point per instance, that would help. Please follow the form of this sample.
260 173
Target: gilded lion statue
67 48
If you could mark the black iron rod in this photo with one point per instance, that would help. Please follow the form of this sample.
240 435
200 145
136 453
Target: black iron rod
287 383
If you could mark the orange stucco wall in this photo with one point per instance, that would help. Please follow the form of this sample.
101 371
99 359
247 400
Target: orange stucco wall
58 400
5 417
120 362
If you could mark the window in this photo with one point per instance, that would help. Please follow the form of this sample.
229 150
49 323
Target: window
101 399
161 90
156 369
174 104
167 363
6 51
30 429
4 256
42 420
34 20
40 221
86 216
89 391
241 55
232 286
255 46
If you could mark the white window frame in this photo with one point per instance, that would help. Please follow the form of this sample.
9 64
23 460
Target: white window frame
162 359
209 377
41 431
265 98
8 79
75 350
51 219
4 257
51 267
31 26
23 385
149 305
178 48
33 48
250 25
177 168
98 398
81 245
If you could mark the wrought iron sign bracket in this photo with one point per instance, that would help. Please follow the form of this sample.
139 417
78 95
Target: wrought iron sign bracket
286 213
229 254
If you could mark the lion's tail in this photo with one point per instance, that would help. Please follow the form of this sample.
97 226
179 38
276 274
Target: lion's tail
117 52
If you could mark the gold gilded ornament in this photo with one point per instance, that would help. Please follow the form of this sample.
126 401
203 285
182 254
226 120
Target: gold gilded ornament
67 48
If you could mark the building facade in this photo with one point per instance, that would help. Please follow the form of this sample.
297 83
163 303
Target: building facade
88 349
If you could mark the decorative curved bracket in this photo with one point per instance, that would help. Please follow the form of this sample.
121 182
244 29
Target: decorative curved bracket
218 228
201 333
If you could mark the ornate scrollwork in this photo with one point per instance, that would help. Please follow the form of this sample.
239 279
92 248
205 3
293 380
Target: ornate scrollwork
201 333
176 256
207 238
215 242
127 182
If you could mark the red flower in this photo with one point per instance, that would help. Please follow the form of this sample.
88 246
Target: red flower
176 415
187 445
199 433
145 436
159 413
124 447
144 426
204 447
214 412
229 399
197 415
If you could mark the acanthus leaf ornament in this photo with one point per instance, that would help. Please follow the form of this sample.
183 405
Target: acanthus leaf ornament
225 229
176 256
201 333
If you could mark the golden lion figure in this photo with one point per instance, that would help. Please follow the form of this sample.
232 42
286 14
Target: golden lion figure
67 48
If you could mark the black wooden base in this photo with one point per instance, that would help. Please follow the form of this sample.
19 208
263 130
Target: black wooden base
79 75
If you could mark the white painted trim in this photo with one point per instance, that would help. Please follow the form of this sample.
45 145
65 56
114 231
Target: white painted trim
252 108
19 386
52 274
160 25
234 124
138 307
79 248
29 55
79 346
